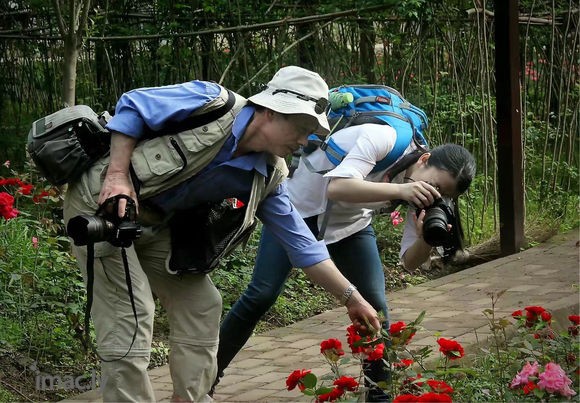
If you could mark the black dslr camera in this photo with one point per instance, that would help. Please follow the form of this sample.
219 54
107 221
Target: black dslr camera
106 225
435 225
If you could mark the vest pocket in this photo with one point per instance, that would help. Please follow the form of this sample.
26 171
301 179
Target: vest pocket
155 160
202 137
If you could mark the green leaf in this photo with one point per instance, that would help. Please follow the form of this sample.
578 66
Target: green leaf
322 390
309 380
504 322
419 319
539 393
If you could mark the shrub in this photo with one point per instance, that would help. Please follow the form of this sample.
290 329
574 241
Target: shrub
537 363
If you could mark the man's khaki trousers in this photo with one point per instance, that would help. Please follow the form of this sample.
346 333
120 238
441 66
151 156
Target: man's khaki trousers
192 303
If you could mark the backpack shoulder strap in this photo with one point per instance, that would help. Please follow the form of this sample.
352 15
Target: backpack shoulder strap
200 117
402 141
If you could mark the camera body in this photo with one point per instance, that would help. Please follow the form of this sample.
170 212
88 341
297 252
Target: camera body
438 217
106 225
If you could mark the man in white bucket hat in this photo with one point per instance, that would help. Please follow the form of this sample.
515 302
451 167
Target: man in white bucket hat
200 163
294 90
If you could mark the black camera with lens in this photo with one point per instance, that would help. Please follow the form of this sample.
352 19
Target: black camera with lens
106 225
438 217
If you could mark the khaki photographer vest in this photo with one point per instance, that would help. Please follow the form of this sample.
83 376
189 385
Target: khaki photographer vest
163 162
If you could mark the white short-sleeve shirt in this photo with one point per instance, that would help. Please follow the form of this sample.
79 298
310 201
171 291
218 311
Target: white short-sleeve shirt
366 144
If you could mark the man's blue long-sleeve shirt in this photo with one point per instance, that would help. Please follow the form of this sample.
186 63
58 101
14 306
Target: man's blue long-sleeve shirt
151 107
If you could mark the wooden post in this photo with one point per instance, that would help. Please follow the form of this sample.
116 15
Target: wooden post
509 133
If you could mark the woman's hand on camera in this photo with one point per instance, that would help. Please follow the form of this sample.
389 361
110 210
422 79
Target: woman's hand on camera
419 220
420 193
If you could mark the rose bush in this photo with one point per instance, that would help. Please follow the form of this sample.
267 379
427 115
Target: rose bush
536 363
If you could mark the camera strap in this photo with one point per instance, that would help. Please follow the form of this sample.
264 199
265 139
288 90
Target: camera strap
90 286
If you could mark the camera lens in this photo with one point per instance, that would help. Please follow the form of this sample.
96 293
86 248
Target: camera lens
84 229
435 227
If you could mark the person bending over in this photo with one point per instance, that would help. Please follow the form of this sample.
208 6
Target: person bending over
177 181
342 201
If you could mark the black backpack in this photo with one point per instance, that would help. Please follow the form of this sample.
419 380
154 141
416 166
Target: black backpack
63 145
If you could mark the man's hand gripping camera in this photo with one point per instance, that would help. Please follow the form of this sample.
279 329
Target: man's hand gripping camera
106 225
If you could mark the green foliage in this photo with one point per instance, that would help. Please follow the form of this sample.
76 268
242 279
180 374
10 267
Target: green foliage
7 396
42 291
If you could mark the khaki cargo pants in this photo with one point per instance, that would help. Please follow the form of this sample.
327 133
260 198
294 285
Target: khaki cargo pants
192 302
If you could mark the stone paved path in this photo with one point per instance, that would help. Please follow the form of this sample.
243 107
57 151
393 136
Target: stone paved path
546 275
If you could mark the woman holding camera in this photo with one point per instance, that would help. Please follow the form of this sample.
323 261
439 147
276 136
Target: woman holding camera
338 207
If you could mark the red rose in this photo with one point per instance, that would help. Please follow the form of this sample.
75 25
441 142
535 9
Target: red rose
332 349
295 379
439 386
532 314
26 189
346 383
434 397
546 316
376 353
330 396
450 348
40 197
405 398
574 319
331 344
396 330
537 310
6 206
372 352
403 364
529 387
6 200
352 337
10 182
517 314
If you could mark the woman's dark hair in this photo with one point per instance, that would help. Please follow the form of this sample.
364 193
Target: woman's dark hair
456 160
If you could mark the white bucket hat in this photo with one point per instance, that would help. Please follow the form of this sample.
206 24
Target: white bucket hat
295 90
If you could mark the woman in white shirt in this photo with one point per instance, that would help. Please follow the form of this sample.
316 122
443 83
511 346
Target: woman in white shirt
342 202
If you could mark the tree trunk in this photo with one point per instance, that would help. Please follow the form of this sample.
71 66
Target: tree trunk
71 18
69 75
367 50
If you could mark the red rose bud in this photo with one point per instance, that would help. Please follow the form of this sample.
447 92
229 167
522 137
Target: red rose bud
517 314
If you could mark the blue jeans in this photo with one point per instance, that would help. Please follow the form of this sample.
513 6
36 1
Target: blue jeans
357 257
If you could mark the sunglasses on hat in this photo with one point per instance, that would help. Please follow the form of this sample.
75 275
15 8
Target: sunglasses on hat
320 104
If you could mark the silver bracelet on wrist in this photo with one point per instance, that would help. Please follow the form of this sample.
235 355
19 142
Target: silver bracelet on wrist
347 294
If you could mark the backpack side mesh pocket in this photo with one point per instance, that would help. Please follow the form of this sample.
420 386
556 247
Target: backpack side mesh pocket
66 143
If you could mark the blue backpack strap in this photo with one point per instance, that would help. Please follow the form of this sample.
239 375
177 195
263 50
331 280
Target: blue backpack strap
334 153
401 143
